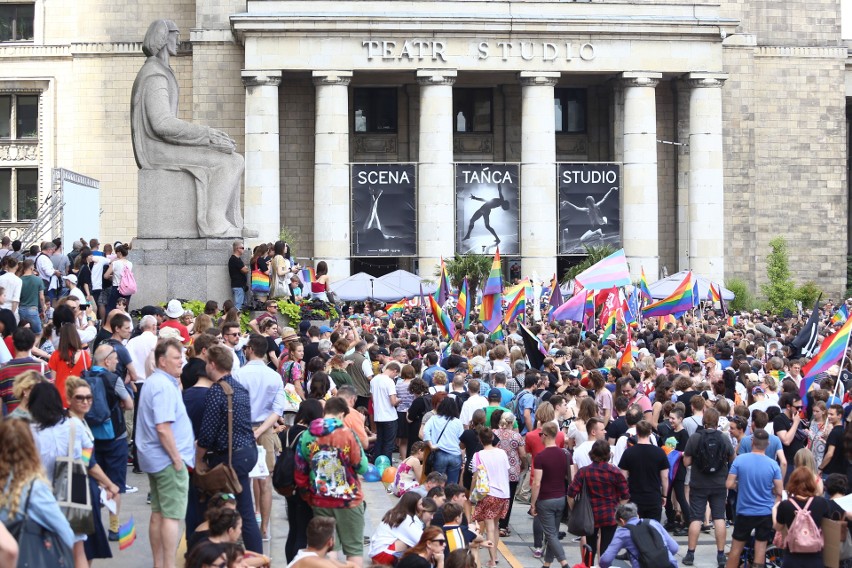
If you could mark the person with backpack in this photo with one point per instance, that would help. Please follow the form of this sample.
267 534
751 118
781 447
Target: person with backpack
524 405
328 461
120 271
757 480
647 543
798 519
709 452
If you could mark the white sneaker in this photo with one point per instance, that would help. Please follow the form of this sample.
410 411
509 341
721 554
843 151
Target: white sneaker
131 489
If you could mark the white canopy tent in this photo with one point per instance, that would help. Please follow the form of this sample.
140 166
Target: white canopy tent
664 288
362 286
408 283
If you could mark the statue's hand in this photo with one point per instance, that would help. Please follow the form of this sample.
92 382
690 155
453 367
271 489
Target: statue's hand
222 142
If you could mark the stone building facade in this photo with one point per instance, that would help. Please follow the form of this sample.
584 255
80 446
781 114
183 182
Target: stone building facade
729 118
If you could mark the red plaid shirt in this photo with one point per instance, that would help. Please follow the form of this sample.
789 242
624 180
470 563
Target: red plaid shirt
606 485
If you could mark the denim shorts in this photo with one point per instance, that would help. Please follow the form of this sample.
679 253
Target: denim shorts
31 315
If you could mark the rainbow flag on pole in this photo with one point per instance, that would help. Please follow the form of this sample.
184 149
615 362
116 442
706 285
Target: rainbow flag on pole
841 315
444 288
678 302
515 302
733 320
307 275
832 350
442 320
630 353
127 534
713 294
643 287
609 272
491 314
463 305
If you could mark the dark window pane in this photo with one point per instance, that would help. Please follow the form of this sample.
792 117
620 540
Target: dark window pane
16 22
570 110
375 110
27 116
5 116
472 110
27 194
5 195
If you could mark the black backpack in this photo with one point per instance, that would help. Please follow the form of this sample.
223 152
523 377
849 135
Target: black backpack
712 454
653 552
283 474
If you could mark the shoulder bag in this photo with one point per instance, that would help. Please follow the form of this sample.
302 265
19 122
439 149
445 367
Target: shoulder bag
37 545
566 514
430 459
222 478
71 489
582 520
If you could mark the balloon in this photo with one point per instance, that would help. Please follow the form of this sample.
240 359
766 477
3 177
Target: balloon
372 474
382 462
388 475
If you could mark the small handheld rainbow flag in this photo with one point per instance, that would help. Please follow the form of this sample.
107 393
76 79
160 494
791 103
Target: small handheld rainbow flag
127 534
643 286
733 320
491 314
713 294
830 352
463 305
396 307
307 275
628 356
841 315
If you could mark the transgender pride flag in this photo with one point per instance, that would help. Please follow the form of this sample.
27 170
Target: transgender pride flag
609 272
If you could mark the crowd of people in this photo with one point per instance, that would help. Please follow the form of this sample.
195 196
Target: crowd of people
705 429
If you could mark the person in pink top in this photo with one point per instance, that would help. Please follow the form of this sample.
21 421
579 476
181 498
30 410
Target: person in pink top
627 387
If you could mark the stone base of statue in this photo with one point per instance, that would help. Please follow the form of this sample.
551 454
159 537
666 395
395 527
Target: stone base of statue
187 269
166 205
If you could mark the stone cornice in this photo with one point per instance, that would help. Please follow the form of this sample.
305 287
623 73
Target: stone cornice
539 78
436 76
261 78
801 52
639 79
332 77
86 49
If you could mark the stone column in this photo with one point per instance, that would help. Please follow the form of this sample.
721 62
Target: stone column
436 231
332 201
539 225
639 209
262 179
706 181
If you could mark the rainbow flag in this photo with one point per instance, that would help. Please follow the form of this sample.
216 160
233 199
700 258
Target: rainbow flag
841 315
463 305
443 292
830 352
643 287
87 456
515 302
733 320
610 326
678 302
630 352
713 294
498 334
491 314
127 534
609 272
396 307
442 320
665 320
307 275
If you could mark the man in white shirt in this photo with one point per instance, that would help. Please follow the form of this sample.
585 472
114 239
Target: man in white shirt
760 401
142 346
383 392
267 400
596 430
474 402
45 270
11 283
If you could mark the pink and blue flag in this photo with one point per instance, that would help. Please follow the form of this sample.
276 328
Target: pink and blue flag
609 272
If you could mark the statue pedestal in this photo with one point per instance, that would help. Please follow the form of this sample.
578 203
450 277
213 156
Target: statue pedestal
166 205
187 269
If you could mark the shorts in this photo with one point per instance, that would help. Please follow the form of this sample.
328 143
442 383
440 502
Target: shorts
169 492
745 524
349 528
387 556
111 455
103 297
699 497
267 441
30 314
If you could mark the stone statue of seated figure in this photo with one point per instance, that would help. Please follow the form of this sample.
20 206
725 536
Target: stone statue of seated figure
162 142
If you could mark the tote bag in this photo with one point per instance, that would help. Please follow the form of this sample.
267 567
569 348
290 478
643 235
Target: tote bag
71 489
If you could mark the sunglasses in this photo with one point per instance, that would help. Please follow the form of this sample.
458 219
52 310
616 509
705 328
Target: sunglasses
437 540
83 397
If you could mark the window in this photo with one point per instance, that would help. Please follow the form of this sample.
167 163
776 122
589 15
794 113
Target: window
18 117
472 110
18 194
16 22
570 110
375 110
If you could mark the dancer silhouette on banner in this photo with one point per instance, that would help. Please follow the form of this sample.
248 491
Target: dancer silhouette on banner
373 220
484 213
596 219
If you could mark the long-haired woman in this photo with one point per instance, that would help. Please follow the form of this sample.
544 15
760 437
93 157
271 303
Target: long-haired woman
69 359
429 550
399 530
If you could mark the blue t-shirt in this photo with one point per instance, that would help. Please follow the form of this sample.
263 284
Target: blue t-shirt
755 478
526 399
771 451
506 397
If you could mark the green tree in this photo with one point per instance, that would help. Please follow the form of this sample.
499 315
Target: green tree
594 254
291 239
743 299
780 291
808 292
475 266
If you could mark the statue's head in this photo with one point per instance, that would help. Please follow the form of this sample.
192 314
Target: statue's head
157 36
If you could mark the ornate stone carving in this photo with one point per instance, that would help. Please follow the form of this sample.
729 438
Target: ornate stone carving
332 77
539 78
473 143
261 78
18 152
163 143
436 76
375 143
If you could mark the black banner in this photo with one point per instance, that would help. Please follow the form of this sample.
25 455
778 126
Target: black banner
589 206
384 210
487 199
